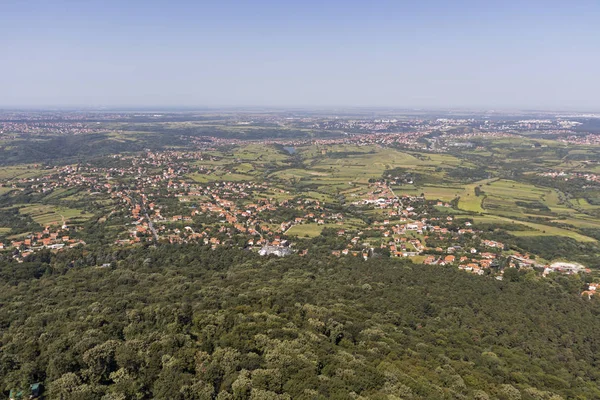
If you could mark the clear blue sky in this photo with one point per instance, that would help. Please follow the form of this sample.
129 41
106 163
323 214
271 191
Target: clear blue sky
483 54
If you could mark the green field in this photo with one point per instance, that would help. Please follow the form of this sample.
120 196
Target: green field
318 196
469 201
546 230
585 205
333 170
23 171
244 168
444 193
220 176
536 228
294 174
580 222
509 196
342 168
305 230
273 193
258 153
53 215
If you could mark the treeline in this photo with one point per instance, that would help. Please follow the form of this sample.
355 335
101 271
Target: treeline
558 247
72 148
186 322
19 223
251 132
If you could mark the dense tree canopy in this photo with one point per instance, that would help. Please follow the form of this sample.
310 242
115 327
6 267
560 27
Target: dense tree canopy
186 322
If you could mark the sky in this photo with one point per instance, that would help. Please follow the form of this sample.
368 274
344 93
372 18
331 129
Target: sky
484 54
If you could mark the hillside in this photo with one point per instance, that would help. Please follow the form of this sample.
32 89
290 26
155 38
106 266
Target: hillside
186 322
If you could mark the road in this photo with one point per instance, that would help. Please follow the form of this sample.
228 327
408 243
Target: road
151 226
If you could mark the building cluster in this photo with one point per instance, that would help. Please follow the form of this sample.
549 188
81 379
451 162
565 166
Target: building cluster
587 140
33 128
591 290
567 176
176 197
49 238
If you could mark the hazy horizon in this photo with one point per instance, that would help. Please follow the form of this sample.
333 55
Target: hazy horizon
539 56
293 108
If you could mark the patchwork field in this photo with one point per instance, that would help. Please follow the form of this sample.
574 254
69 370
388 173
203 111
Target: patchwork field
444 193
221 176
274 193
331 173
295 174
584 205
580 222
260 154
53 215
545 230
469 201
20 171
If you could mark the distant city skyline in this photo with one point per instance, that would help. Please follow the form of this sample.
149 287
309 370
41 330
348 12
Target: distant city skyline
535 55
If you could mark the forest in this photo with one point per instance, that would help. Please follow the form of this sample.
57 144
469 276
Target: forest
186 322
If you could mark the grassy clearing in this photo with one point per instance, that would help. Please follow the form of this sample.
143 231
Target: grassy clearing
53 215
20 172
305 230
207 162
443 193
579 222
295 174
318 196
540 230
536 228
244 168
19 236
220 176
513 190
481 219
449 210
469 201
260 153
4 231
352 223
418 259
61 192
534 233
515 199
585 205
275 194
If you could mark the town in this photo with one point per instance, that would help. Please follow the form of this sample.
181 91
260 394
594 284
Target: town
278 196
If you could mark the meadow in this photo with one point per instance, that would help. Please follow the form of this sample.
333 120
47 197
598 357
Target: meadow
23 171
53 215
219 176
537 229
305 230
